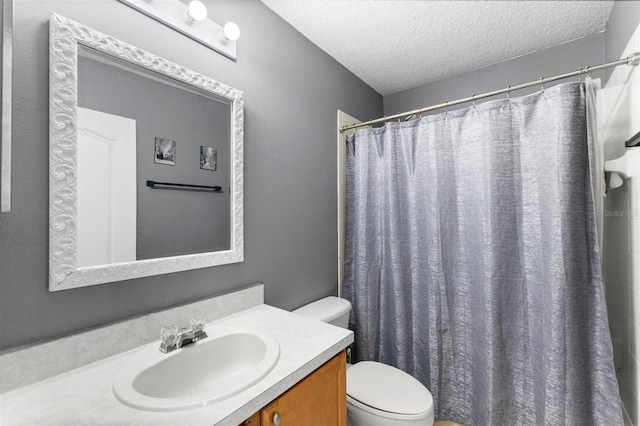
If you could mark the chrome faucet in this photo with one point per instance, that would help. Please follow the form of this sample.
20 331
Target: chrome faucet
172 339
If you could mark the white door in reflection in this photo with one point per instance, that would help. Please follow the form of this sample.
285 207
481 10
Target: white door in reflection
106 188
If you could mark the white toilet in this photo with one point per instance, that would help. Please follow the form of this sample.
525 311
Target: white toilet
377 394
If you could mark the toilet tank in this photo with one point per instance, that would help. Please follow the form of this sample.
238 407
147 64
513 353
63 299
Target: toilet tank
333 310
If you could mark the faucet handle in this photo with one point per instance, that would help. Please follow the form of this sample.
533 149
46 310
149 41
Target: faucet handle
169 335
197 324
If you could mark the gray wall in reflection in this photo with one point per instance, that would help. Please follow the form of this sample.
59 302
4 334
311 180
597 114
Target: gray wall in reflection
292 91
164 226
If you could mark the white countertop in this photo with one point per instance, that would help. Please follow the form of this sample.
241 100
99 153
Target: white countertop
84 396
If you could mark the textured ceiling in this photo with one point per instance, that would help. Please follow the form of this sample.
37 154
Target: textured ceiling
395 45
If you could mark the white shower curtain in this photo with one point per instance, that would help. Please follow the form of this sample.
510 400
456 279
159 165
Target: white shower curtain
596 154
472 261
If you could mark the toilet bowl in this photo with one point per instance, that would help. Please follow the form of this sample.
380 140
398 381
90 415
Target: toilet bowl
377 394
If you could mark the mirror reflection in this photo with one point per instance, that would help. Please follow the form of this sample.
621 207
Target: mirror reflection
135 126
145 163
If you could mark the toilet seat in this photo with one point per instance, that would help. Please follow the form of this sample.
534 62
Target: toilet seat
355 405
387 392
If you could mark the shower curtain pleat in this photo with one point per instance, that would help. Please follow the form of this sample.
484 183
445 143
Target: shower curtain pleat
472 261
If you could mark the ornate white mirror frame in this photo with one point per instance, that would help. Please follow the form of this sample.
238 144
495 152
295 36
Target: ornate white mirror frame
64 273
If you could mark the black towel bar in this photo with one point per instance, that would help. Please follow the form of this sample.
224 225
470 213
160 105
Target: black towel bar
152 184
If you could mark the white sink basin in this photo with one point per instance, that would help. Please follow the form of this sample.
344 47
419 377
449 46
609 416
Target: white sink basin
218 367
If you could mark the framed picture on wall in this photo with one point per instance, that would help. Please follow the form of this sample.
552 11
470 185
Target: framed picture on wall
165 152
208 158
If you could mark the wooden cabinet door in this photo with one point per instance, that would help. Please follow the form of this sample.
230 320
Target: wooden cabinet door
320 399
252 421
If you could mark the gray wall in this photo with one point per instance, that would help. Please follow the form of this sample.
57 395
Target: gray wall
292 91
164 226
544 63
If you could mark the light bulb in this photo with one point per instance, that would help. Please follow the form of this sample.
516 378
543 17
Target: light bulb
230 32
196 11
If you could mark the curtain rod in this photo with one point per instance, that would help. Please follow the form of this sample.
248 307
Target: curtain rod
633 60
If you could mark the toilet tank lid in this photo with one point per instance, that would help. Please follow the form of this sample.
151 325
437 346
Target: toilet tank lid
387 388
326 309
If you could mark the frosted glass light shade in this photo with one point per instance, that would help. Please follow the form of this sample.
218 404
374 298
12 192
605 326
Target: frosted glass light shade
231 31
197 11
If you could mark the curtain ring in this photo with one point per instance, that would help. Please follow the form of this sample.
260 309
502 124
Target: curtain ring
541 84
508 91
398 117
421 112
587 71
473 97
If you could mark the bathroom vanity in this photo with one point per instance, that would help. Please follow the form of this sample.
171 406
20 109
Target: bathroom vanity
306 382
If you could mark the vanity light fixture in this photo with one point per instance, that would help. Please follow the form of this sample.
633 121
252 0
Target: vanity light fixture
196 11
191 20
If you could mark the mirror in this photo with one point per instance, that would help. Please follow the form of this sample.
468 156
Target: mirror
133 139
